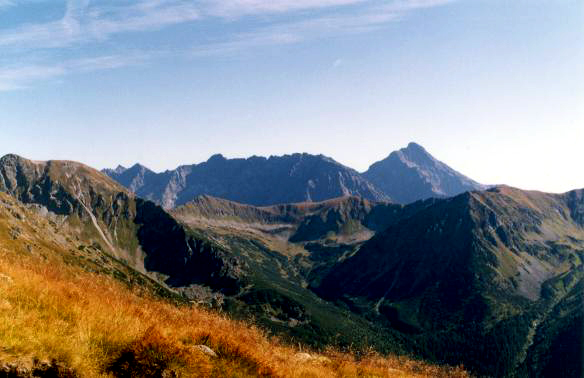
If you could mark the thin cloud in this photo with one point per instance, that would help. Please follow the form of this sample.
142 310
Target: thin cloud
367 18
239 8
144 16
6 3
22 77
85 24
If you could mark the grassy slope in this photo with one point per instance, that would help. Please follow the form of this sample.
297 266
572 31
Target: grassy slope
87 311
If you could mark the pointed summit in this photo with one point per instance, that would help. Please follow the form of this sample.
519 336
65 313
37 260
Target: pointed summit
411 174
120 169
413 146
216 158
132 178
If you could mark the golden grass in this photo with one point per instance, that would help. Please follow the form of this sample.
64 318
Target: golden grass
99 327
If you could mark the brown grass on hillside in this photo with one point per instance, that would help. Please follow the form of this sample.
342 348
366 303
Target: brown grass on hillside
98 327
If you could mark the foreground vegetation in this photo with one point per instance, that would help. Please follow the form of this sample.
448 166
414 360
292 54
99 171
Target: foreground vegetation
96 326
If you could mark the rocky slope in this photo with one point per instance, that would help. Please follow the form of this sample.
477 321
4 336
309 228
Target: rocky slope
256 180
90 207
412 174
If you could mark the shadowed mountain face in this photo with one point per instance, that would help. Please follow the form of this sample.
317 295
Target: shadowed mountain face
477 270
256 181
411 174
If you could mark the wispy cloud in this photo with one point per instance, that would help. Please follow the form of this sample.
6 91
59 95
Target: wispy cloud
238 8
23 76
85 23
143 16
370 16
7 3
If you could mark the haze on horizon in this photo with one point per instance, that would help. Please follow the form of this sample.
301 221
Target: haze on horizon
493 88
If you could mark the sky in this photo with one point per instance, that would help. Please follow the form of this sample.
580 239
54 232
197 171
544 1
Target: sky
494 88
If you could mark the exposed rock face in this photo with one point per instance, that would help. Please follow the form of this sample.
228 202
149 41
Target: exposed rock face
256 180
411 174
101 212
575 201
63 187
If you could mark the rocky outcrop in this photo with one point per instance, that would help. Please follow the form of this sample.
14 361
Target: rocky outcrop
36 368
103 213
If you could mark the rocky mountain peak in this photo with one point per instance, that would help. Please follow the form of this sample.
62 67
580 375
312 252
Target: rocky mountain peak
255 180
415 154
120 169
411 174
216 158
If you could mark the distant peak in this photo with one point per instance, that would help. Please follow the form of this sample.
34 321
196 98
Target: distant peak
217 157
137 165
413 146
416 153
11 157
120 169
134 169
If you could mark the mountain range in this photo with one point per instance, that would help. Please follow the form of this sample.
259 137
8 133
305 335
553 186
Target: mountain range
75 301
405 176
490 279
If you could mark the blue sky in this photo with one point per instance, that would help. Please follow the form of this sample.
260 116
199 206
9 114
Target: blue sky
494 88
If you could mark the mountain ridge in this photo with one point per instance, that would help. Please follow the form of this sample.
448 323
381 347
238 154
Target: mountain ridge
255 180
405 176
